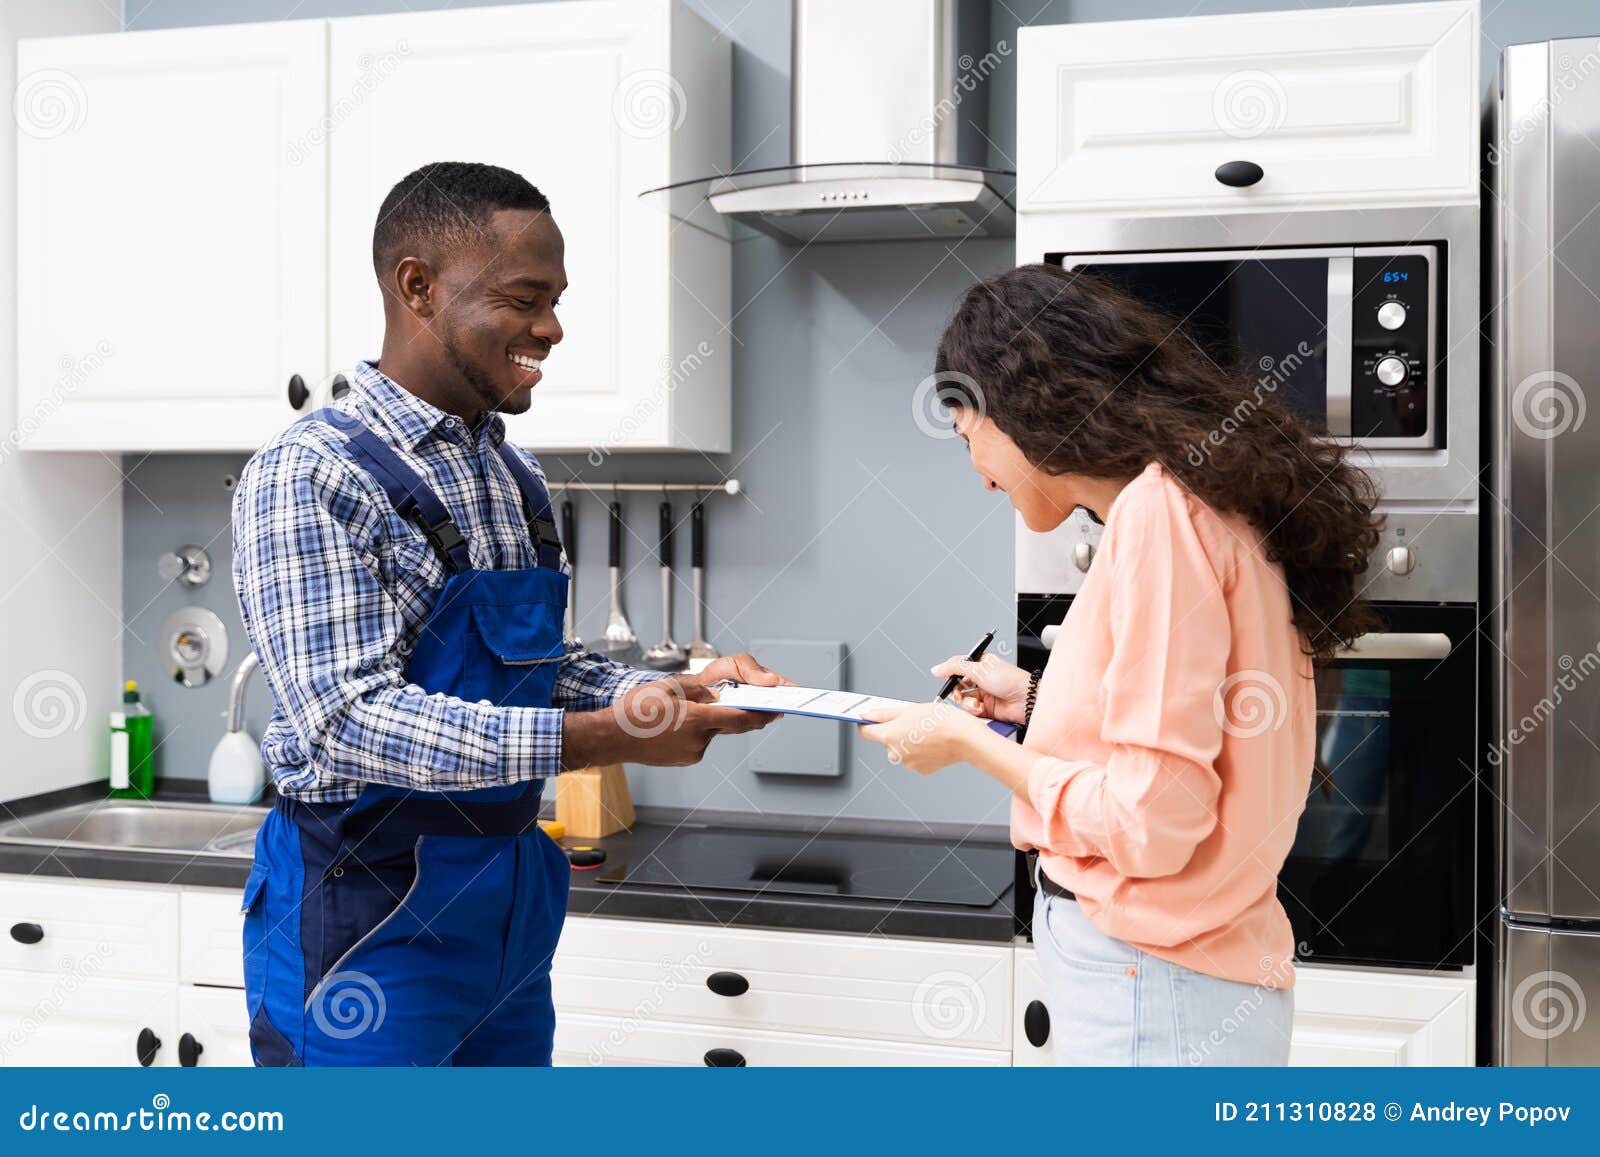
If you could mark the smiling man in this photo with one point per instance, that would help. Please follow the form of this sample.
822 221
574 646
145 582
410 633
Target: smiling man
402 583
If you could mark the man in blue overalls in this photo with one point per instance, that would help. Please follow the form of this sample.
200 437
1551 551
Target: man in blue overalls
403 585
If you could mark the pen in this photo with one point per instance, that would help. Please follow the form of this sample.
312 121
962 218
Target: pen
954 681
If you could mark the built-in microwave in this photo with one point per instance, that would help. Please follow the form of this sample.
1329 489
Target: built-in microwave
1344 336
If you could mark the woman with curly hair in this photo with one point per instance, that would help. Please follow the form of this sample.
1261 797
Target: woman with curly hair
1171 737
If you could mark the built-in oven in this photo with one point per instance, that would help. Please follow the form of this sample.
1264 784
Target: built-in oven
1380 872
1344 336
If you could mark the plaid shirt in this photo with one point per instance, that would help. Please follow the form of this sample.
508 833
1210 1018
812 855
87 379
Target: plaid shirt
335 588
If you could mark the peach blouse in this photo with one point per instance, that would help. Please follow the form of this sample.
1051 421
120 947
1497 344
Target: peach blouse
1177 716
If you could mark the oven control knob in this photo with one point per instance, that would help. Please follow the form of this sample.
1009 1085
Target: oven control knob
1083 555
1391 371
1402 560
1391 315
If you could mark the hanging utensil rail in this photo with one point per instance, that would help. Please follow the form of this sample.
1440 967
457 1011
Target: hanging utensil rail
730 486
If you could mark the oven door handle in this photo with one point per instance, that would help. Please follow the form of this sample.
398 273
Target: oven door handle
1048 636
1389 645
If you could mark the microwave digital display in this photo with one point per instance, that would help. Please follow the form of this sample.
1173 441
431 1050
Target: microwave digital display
1342 337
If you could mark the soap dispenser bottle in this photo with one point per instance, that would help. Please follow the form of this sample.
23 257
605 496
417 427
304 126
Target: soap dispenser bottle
132 766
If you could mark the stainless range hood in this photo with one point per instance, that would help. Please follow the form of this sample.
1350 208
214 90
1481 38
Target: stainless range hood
889 110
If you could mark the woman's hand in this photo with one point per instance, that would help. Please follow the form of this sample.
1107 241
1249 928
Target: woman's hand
925 736
991 687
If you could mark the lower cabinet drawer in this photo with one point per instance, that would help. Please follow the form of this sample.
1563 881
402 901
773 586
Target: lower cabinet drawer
1375 1018
66 1019
213 1028
924 993
597 1041
212 946
88 929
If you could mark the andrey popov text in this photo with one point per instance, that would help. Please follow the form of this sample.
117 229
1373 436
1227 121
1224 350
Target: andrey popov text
1449 1113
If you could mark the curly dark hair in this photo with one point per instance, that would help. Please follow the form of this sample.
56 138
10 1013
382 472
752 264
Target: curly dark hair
1088 380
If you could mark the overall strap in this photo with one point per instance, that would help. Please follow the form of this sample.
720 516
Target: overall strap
536 503
410 495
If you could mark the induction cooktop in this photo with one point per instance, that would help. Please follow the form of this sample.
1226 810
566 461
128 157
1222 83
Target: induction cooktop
857 866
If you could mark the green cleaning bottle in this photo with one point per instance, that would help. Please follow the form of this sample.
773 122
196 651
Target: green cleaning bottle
132 770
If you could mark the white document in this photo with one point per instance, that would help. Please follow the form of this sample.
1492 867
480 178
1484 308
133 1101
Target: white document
846 706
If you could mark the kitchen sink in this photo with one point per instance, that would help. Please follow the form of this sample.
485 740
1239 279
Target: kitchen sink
183 828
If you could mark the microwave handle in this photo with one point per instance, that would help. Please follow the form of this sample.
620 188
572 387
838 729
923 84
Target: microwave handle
1341 373
1390 645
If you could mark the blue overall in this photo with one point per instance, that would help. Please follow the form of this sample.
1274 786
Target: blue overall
413 927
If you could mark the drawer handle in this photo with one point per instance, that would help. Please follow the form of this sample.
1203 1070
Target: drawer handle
724 1059
727 984
298 394
148 1045
27 933
189 1050
1036 1023
341 387
1239 174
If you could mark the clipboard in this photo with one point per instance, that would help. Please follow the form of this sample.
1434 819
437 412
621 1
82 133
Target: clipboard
817 703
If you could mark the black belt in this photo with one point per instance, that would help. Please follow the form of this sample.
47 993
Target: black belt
1045 883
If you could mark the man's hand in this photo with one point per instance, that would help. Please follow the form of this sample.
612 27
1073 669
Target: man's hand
666 723
741 668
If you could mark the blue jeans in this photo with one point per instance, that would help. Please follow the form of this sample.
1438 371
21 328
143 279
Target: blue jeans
1111 1004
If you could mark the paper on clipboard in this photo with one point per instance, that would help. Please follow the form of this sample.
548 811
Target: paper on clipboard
817 702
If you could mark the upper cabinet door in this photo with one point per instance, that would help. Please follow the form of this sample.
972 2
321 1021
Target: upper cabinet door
593 103
172 254
1336 107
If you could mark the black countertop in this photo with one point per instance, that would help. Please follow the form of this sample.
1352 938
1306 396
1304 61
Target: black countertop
592 894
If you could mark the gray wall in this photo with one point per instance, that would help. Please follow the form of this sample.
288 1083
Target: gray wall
857 527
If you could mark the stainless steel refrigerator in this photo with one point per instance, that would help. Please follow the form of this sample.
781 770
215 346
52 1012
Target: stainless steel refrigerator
1542 502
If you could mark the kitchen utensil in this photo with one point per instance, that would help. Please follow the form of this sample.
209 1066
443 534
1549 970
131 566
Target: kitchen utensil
666 655
700 651
569 542
620 641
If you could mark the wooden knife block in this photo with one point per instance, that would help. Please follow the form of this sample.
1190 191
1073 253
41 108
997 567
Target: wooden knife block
594 801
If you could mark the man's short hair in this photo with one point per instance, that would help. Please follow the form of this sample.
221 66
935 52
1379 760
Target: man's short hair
446 204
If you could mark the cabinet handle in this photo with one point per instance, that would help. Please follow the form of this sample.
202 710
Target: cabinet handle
340 387
189 1050
724 1059
727 984
1036 1023
27 933
298 394
147 1047
1239 174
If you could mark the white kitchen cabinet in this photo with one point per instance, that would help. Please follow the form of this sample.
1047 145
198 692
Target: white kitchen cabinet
921 992
198 228
1030 1015
1342 1016
172 239
212 945
214 1019
85 928
67 1018
1358 1017
1338 107
641 1040
594 103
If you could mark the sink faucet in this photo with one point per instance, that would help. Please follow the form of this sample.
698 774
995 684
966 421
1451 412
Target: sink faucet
241 677
237 774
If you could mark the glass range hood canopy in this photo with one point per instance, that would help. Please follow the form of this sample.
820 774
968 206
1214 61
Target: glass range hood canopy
876 201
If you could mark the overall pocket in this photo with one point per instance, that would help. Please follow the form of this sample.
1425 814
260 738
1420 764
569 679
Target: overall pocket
522 653
363 892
